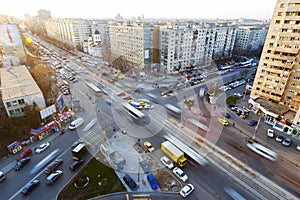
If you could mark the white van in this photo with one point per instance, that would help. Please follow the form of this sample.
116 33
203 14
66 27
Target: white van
76 123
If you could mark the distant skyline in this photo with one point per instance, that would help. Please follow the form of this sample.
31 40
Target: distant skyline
227 9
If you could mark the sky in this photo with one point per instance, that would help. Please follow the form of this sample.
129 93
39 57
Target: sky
228 9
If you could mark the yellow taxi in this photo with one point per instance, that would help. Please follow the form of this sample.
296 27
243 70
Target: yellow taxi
224 122
148 146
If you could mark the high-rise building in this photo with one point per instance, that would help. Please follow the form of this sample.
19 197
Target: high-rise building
250 40
278 75
133 42
69 31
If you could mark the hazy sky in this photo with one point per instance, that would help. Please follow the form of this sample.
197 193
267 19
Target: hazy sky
257 9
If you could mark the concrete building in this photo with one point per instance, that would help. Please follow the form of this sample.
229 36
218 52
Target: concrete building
278 75
133 41
249 40
18 88
186 46
92 45
69 31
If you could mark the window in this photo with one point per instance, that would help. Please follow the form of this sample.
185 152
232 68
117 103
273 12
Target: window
279 13
277 21
8 104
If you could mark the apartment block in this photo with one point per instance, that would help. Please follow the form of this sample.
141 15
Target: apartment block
188 46
133 41
250 40
69 31
278 75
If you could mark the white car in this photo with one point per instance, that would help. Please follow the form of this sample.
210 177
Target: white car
298 147
270 133
238 94
167 162
42 147
186 190
180 174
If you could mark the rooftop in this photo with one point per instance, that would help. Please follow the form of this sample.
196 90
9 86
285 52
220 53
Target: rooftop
17 82
272 107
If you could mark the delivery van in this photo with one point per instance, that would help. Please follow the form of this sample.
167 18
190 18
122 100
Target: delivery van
76 123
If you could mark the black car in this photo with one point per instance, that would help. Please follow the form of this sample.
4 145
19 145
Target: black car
22 163
130 182
75 165
227 115
231 105
54 165
30 186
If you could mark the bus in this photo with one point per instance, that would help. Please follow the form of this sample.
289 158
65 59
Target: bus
263 151
78 151
92 86
133 112
173 110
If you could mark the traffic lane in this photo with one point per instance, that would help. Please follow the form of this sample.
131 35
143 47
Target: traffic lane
210 182
280 171
24 176
52 191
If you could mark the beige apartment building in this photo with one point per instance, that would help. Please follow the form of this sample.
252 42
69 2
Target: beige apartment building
278 75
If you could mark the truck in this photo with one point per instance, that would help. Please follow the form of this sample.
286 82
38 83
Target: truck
174 153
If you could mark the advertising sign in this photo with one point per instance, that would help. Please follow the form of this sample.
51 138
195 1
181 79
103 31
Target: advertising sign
48 111
60 103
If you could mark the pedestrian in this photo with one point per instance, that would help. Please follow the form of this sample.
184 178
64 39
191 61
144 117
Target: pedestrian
233 124
114 129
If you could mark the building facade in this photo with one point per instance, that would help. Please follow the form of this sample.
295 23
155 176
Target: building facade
133 41
249 40
18 88
188 46
278 75
69 31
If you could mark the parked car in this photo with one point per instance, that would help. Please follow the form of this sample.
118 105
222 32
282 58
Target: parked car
298 147
145 166
130 182
29 187
20 164
53 166
152 181
2 176
42 147
279 138
231 105
180 174
270 133
252 122
239 95
167 162
187 190
53 177
287 142
25 153
75 165
148 146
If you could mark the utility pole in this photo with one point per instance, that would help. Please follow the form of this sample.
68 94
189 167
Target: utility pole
256 128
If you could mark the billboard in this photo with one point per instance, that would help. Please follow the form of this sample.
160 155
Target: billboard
48 111
60 103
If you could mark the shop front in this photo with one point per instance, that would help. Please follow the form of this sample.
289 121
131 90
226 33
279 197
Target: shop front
45 130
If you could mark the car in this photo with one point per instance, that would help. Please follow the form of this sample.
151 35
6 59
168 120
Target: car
75 165
223 122
75 144
167 162
279 138
145 166
29 187
270 133
148 146
42 147
234 108
252 122
227 115
180 174
287 142
53 166
130 182
231 105
2 176
53 177
187 190
20 164
298 147
152 181
238 94
25 153
148 106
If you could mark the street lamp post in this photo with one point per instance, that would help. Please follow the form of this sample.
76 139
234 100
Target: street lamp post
256 128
